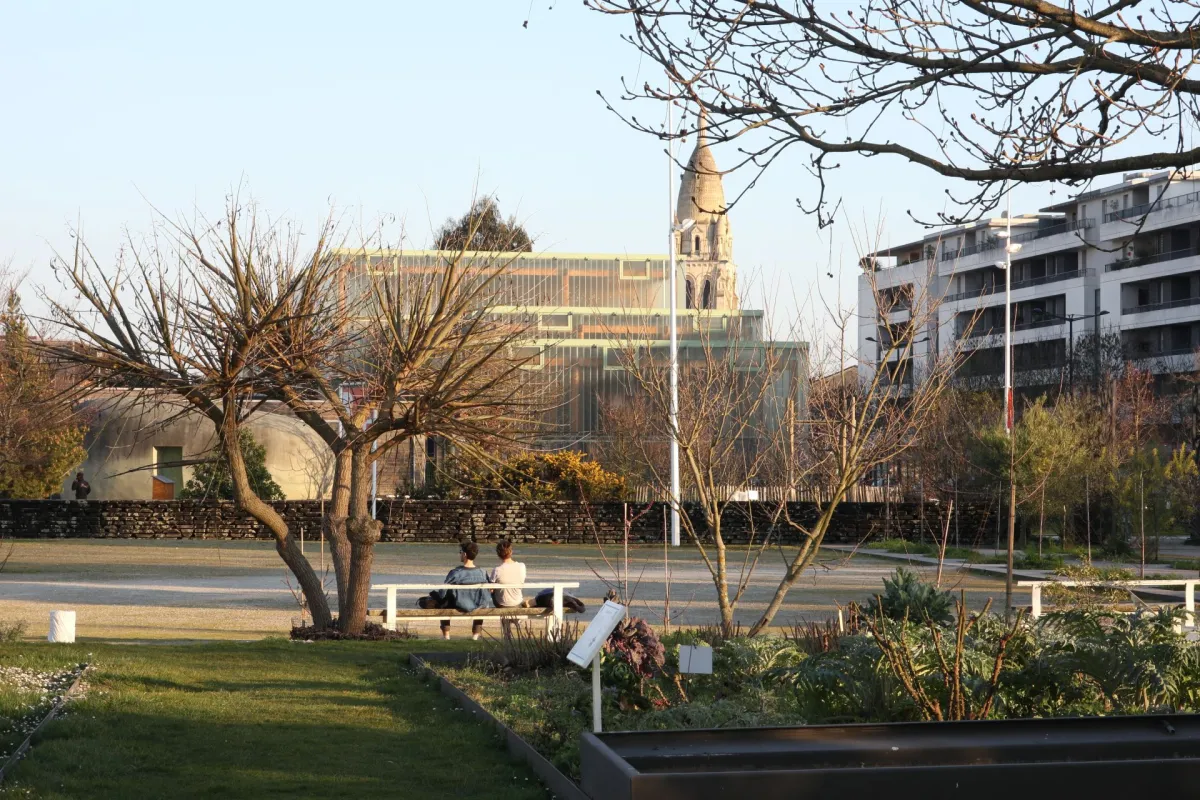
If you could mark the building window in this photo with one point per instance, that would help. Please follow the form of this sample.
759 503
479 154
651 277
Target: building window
689 293
706 300
697 243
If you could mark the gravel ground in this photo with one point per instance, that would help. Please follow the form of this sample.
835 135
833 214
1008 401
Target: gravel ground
172 589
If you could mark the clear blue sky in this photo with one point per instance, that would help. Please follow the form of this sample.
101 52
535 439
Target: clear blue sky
377 108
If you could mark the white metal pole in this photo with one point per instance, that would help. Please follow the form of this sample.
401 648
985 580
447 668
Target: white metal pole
1008 404
596 726
673 367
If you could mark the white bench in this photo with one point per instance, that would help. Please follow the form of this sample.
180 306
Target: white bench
1189 592
553 615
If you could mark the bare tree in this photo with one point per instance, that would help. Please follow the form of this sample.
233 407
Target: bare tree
729 398
407 351
189 313
989 91
855 423
367 352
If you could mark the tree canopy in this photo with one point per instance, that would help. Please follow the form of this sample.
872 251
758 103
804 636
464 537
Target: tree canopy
41 436
484 229
211 480
991 91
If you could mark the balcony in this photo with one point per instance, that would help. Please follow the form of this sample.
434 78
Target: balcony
1053 230
972 249
1025 284
977 333
1141 261
1156 205
1180 303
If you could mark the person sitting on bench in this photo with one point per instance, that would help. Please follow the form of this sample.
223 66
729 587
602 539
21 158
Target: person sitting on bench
508 571
462 599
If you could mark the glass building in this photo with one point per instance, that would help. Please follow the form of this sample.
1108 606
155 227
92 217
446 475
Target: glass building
586 309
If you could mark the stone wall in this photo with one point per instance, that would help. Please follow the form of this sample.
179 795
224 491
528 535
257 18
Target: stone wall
451 520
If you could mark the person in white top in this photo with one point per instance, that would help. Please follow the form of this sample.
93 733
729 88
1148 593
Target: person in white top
508 571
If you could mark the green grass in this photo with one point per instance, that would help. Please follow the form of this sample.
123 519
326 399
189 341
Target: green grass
266 719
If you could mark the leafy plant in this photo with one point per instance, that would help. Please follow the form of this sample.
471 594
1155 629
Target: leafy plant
211 480
906 596
634 656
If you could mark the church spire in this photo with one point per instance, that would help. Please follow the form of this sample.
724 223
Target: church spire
708 247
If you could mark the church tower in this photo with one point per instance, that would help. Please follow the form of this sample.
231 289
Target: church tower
706 250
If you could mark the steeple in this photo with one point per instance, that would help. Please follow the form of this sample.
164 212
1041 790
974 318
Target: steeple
701 193
708 246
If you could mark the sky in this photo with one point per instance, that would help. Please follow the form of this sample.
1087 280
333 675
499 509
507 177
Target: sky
402 108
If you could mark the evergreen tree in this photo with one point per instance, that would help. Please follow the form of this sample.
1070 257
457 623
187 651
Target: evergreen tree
484 228
41 436
211 480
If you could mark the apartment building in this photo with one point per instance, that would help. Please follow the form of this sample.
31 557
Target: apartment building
1123 259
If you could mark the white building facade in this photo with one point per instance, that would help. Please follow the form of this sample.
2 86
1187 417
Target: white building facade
1123 260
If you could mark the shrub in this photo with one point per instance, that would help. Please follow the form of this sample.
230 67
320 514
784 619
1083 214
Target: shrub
211 480
526 650
565 475
905 595
1088 597
12 631
1031 560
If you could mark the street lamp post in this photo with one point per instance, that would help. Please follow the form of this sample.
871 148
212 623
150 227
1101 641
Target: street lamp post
683 227
673 368
1009 248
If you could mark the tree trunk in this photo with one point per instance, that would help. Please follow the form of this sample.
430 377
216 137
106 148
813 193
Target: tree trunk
808 552
334 525
723 605
943 543
285 544
1041 520
362 532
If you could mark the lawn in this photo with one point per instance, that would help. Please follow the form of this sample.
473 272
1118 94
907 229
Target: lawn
272 718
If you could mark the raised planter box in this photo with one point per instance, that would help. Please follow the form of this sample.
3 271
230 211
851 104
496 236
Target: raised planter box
1142 756
562 787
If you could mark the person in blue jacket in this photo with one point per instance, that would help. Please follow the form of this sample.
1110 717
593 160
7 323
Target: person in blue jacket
463 599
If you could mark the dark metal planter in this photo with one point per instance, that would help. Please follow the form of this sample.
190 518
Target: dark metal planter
1011 759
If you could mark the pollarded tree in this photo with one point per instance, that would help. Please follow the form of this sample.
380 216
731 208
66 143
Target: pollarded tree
189 313
212 480
994 92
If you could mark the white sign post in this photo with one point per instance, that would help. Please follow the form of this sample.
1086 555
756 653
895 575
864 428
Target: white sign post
587 649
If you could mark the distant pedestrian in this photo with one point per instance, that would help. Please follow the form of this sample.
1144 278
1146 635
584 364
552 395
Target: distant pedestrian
80 487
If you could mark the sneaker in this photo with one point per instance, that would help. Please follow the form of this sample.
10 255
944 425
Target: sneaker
475 636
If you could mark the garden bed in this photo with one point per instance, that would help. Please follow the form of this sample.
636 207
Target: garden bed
912 657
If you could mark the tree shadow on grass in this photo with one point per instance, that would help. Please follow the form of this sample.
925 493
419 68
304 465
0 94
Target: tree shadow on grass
381 732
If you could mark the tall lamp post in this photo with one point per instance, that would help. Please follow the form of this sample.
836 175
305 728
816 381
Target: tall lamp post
1010 247
676 227
682 227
